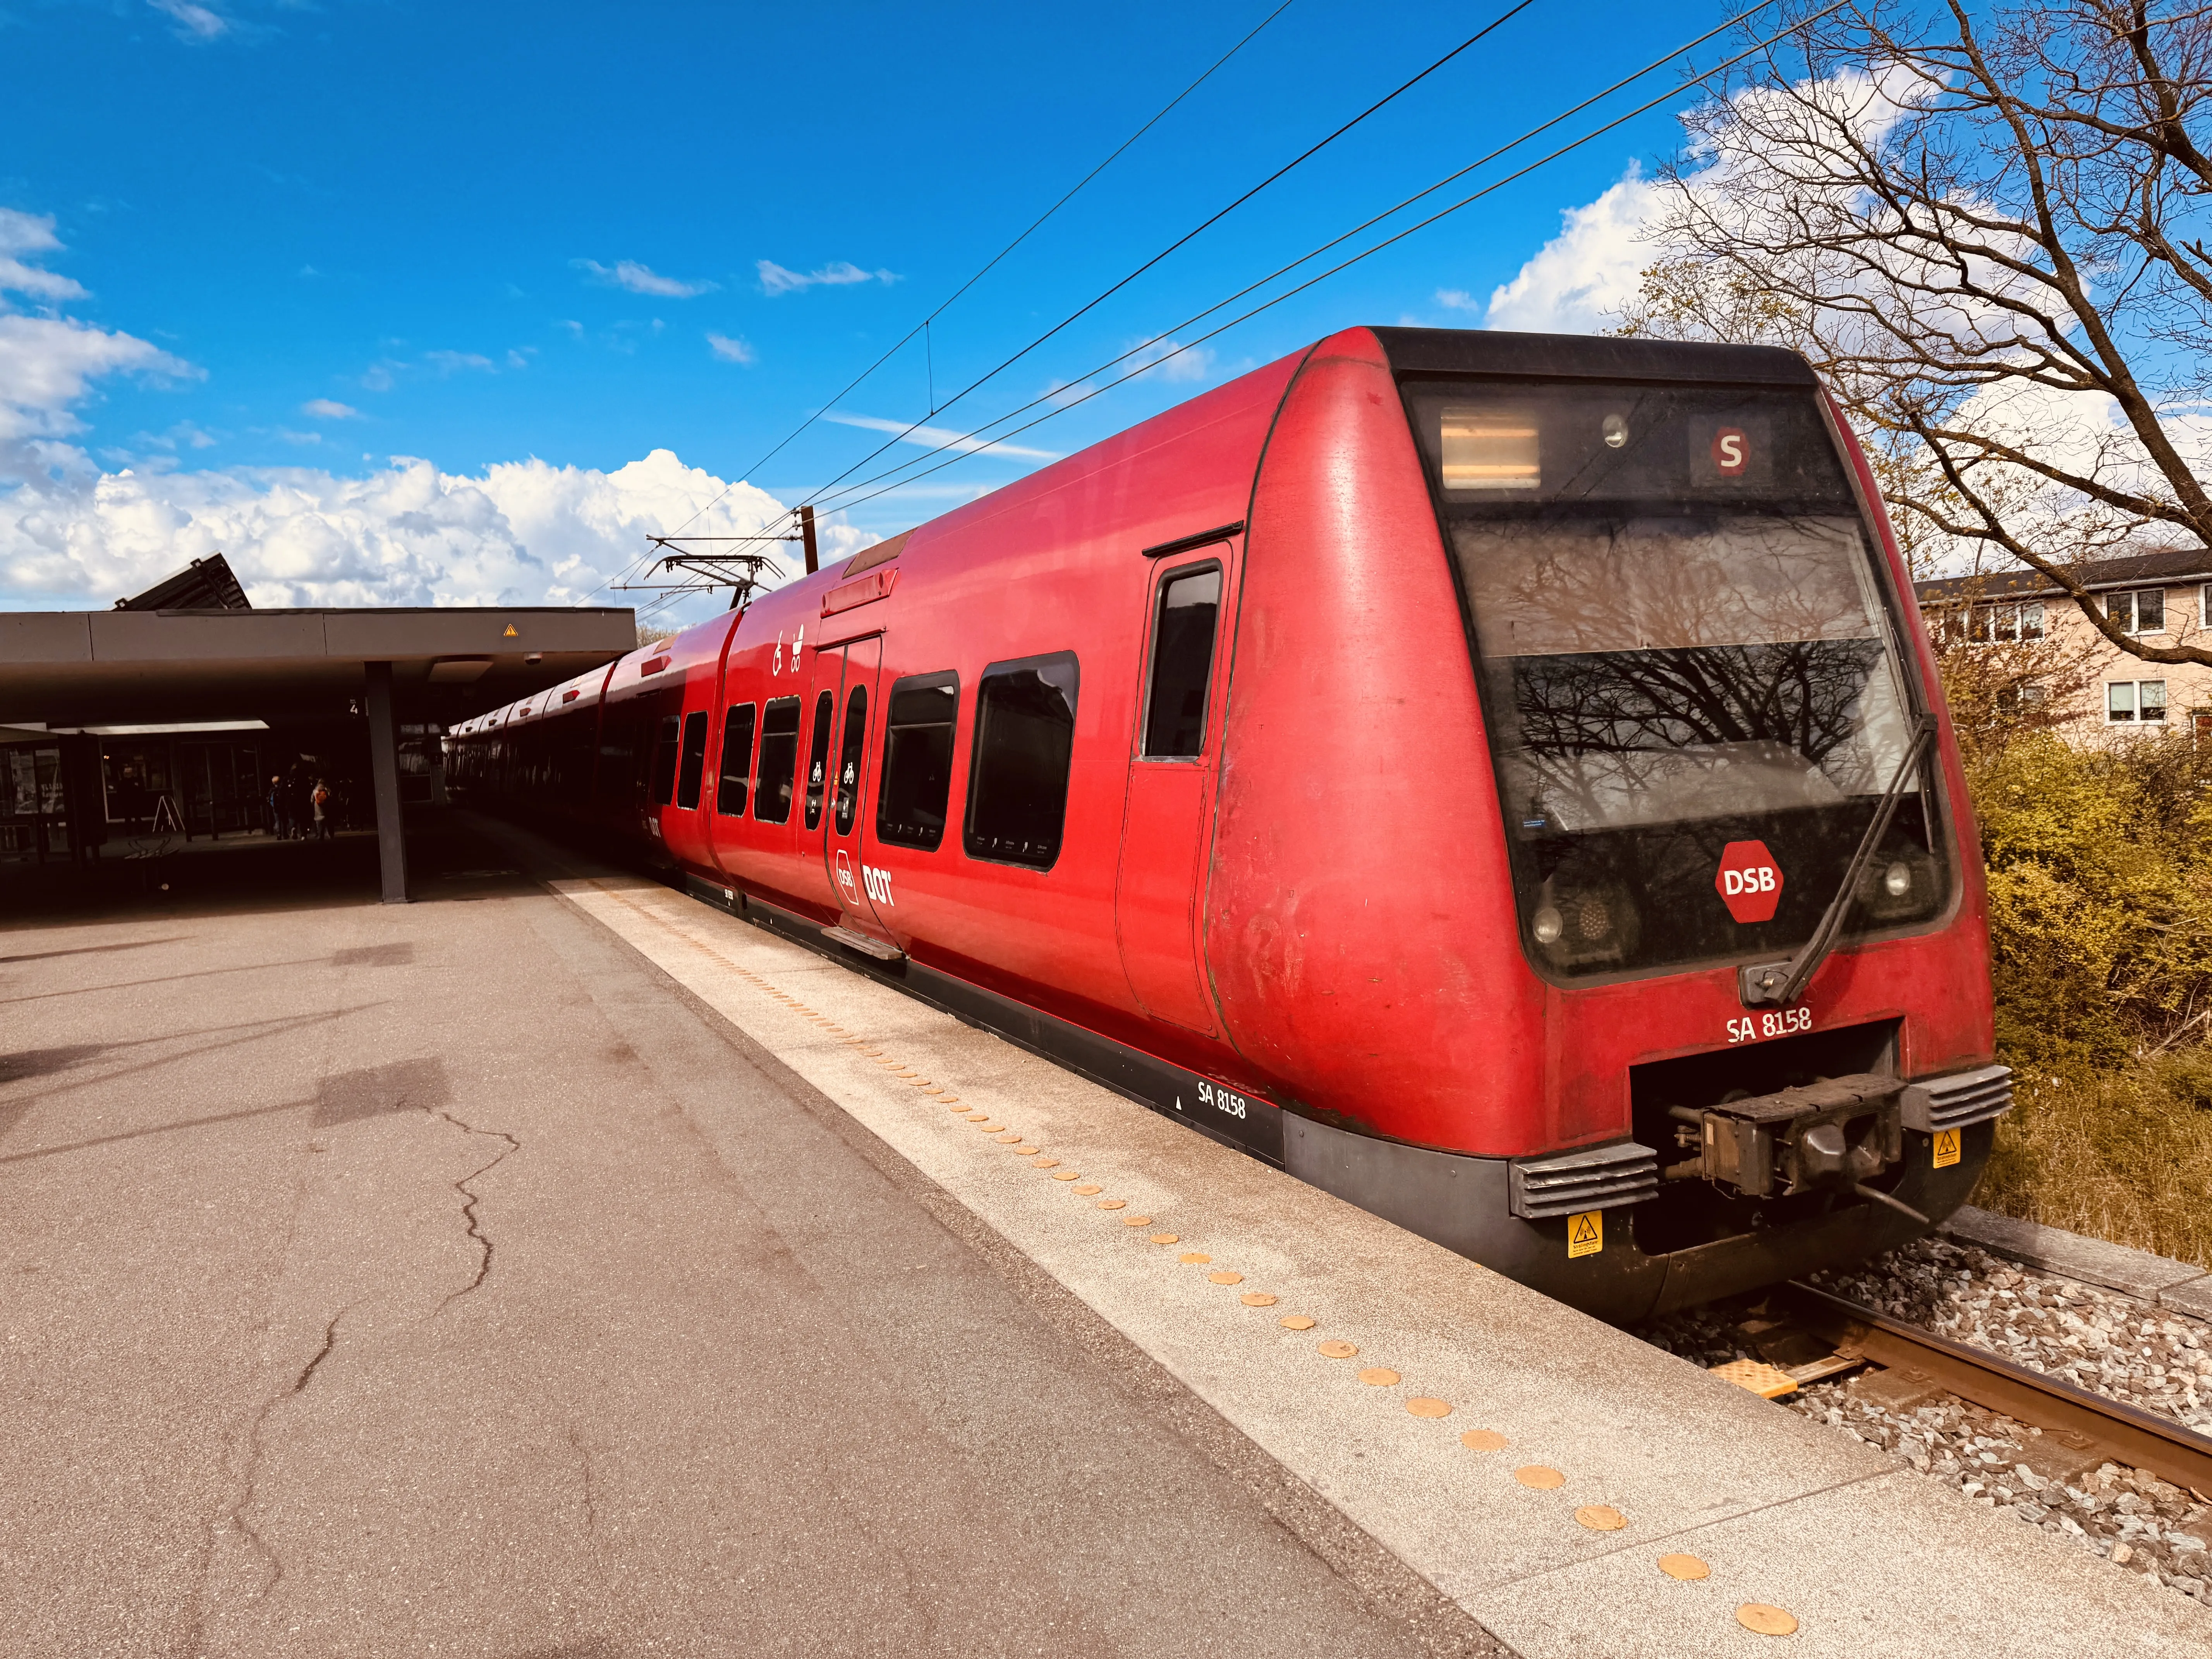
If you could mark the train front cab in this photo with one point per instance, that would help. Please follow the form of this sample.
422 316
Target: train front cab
1644 628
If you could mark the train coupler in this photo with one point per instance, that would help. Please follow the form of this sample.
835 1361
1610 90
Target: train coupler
1833 1134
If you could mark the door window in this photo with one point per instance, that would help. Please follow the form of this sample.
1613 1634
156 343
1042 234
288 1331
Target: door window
779 760
1182 662
736 760
917 770
694 768
850 754
1024 740
817 757
664 762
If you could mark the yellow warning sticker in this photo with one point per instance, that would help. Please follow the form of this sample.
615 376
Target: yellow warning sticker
1585 1233
1947 1148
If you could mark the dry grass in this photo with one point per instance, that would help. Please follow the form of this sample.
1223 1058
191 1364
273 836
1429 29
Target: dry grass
2121 1156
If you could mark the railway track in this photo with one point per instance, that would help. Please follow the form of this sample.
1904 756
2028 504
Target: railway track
2088 1425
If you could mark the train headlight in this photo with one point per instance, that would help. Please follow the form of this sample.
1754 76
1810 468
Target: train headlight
1546 926
1616 431
1897 880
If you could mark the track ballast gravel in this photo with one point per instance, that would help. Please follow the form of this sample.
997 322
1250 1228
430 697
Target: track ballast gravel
2098 1340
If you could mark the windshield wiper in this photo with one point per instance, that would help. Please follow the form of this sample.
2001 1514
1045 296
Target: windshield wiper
1778 984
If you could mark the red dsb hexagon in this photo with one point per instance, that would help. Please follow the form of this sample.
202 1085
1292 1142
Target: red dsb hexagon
1749 881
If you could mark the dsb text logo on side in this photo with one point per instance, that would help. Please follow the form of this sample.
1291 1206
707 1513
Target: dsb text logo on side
1749 881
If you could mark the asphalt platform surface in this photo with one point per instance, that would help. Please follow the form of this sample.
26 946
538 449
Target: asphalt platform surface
444 1280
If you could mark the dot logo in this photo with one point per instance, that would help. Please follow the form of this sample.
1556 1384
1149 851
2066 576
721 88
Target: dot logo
1731 451
1749 881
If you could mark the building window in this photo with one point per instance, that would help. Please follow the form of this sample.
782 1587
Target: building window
2132 701
736 760
779 760
694 768
2003 624
2142 611
1182 662
917 776
1019 769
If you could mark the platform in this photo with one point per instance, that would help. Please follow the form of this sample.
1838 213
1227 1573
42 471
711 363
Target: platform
557 1266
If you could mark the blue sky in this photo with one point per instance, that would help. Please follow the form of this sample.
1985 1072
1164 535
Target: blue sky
481 236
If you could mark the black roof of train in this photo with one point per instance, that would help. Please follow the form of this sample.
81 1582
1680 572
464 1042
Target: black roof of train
1587 357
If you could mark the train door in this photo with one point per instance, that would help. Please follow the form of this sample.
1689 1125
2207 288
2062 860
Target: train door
1168 816
844 837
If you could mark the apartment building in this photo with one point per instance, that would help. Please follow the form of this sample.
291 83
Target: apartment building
2162 598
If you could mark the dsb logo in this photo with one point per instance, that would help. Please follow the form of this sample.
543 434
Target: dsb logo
1749 881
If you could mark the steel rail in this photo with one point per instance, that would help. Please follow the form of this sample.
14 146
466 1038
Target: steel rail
2131 1436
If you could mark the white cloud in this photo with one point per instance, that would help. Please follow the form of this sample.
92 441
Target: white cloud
938 437
1169 361
329 409
27 233
194 22
1578 282
520 532
1457 299
451 362
47 364
643 279
838 273
738 351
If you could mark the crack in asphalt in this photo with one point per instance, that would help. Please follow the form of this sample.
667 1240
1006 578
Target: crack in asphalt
474 1198
255 1448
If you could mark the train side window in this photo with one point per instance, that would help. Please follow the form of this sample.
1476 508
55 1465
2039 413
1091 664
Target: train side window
779 760
916 781
688 775
737 762
1017 774
850 754
1182 662
663 760
817 756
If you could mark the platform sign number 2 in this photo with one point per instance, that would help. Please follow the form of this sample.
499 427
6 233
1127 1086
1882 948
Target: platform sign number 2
1947 1148
1585 1233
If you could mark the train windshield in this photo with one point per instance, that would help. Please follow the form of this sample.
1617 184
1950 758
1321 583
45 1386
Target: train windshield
1689 667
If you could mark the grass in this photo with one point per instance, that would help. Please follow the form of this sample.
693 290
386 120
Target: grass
2124 1156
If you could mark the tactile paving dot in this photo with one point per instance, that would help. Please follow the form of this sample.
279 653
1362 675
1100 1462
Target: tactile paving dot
1167 1238
952 1100
922 1083
1049 1164
1113 1203
1536 1475
1334 1349
1136 1221
1067 1174
976 1117
1257 1299
1766 1620
1298 1321
1379 1376
1090 1188
1024 1151
1683 1566
990 1128
1600 1517
1427 1406
1223 1276
1011 1138
1193 1258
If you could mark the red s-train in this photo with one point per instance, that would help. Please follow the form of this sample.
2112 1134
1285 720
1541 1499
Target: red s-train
1499 778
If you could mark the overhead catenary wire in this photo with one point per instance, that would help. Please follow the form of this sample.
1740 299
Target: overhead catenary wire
988 265
1062 407
1204 225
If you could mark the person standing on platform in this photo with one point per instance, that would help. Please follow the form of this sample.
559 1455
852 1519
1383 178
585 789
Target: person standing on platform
320 800
280 807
